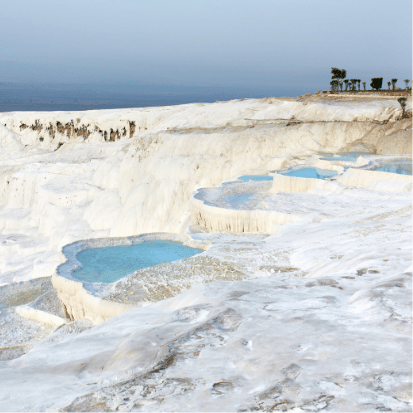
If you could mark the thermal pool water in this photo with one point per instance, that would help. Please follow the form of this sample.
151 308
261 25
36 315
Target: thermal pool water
302 172
246 178
392 165
315 173
238 200
109 264
401 167
343 156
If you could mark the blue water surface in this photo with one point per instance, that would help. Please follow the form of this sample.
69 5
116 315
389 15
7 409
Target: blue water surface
16 96
343 156
109 264
394 170
246 178
401 167
316 173
237 200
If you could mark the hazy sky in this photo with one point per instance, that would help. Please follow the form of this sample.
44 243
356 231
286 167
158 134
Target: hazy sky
204 42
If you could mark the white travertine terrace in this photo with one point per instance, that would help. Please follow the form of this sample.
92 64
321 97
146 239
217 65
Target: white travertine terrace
380 180
61 181
77 301
283 183
216 219
40 316
315 317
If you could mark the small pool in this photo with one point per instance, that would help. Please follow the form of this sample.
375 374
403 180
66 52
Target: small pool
246 178
249 178
109 264
401 167
306 172
343 156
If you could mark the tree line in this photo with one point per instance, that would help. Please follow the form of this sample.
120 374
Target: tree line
339 81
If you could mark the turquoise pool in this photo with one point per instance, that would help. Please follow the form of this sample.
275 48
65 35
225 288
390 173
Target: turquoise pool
401 167
306 172
246 178
249 178
343 156
109 264
238 200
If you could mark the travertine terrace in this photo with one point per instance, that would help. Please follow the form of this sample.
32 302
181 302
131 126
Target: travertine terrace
306 314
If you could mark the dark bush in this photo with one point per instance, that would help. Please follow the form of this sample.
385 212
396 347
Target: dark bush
402 102
376 83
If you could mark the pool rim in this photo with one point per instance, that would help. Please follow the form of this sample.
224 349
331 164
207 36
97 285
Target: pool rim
69 252
78 298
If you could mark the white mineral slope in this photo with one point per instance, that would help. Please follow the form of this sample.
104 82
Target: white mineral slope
75 175
322 320
334 336
9 144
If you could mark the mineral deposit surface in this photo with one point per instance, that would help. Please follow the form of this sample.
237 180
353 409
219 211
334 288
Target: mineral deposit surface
314 315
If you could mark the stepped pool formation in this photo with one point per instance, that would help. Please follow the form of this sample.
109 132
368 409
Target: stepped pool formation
254 204
397 165
94 267
291 290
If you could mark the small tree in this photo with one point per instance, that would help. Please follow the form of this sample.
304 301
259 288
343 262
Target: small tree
346 83
407 81
341 85
358 83
334 85
364 85
394 81
338 74
335 73
388 84
353 84
402 102
376 83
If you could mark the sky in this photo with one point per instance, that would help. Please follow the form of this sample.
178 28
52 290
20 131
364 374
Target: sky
232 43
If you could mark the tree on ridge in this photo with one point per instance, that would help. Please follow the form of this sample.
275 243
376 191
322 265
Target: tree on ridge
334 85
388 84
394 81
364 85
376 83
407 83
337 74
